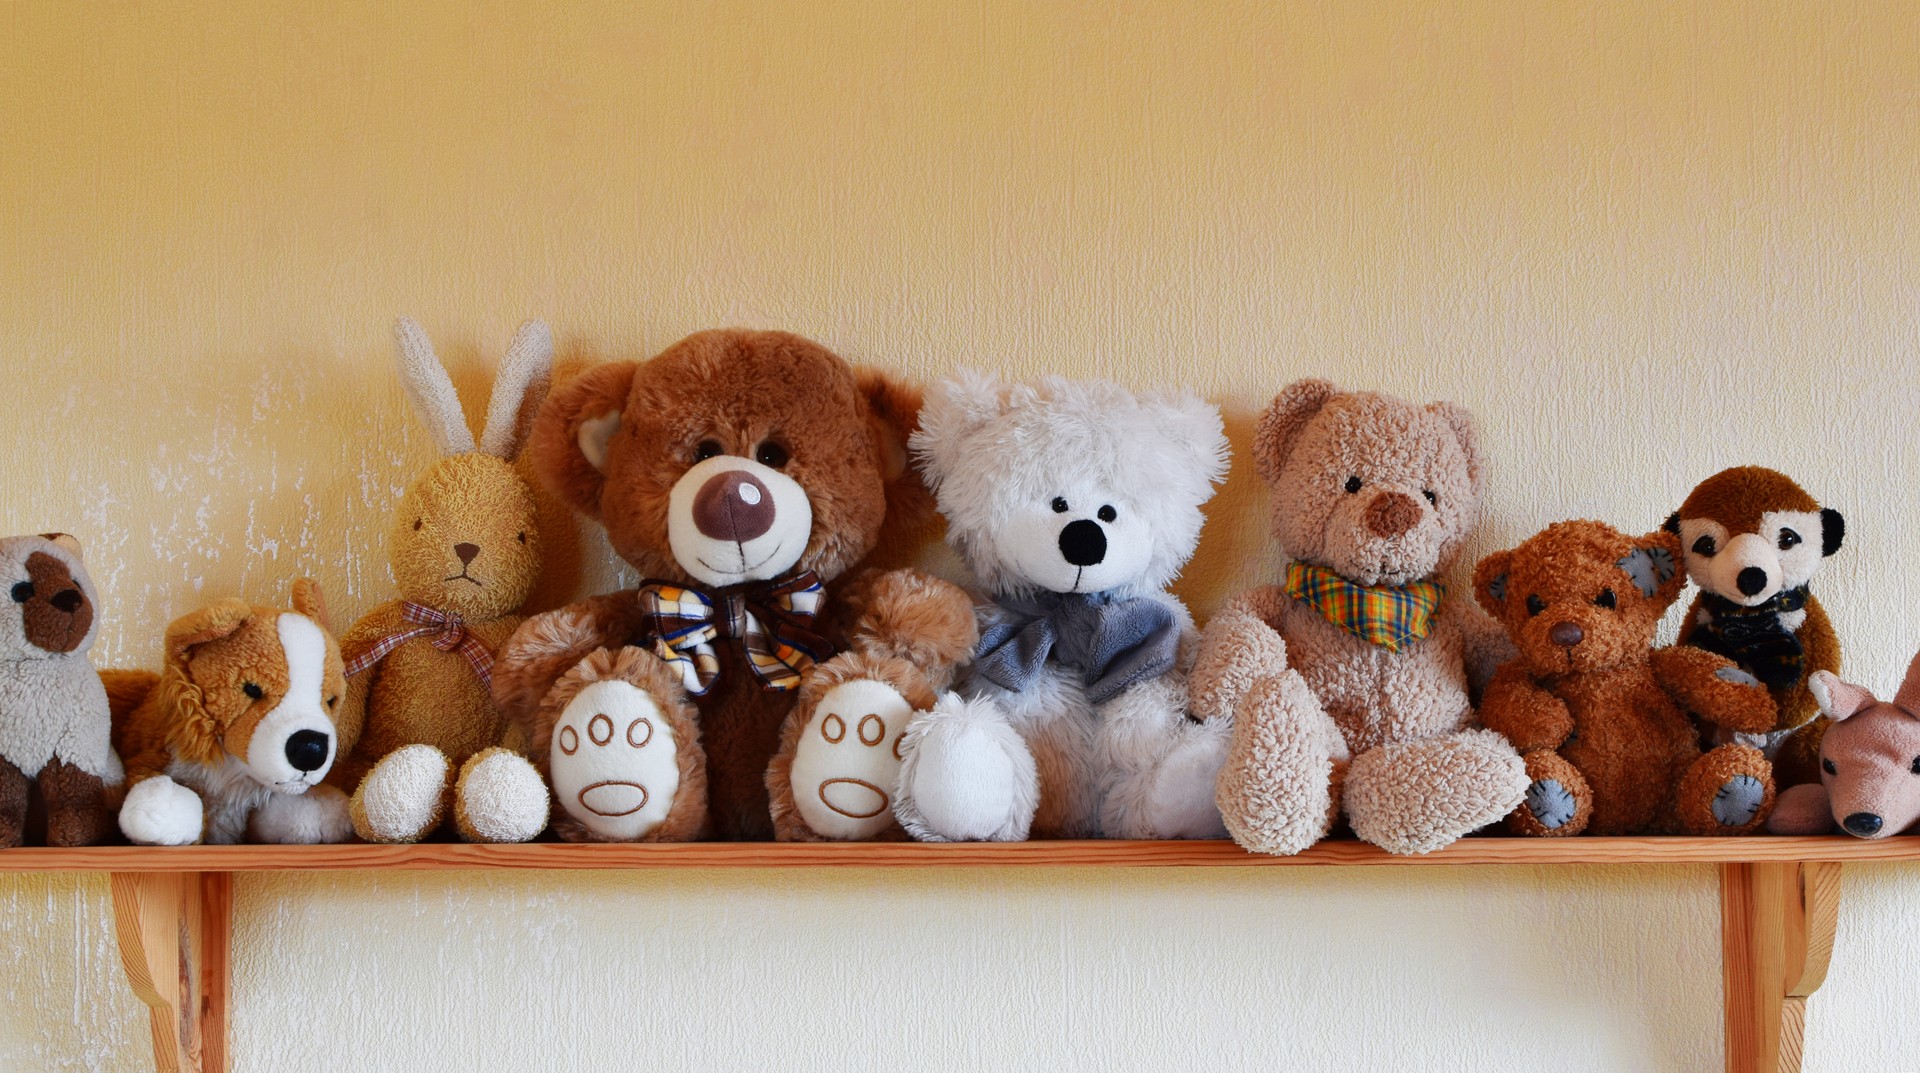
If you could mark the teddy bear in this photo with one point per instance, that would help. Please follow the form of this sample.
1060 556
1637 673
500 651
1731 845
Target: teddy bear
1869 763
54 717
1753 539
1349 682
1074 504
1604 721
230 741
745 475
419 726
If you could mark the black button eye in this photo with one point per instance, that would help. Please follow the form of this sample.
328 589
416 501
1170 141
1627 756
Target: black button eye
417 523
706 449
1606 598
1353 485
1827 766
1106 514
1535 605
1916 766
521 536
1704 546
23 592
1059 505
253 691
1431 498
1788 538
771 455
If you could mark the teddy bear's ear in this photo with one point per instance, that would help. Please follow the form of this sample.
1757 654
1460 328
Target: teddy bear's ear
212 622
430 389
1464 433
308 600
1280 424
571 435
954 407
519 386
1654 566
1838 699
1194 426
1490 583
893 408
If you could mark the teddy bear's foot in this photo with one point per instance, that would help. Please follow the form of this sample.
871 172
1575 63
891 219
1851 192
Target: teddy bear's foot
1557 802
1801 810
161 812
1173 797
499 797
1278 792
1716 689
846 766
404 797
614 761
1417 796
966 775
1729 791
313 818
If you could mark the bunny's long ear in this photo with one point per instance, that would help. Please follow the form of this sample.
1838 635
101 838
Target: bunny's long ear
518 388
430 389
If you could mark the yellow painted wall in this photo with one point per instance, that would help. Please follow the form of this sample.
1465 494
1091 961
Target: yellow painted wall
1642 240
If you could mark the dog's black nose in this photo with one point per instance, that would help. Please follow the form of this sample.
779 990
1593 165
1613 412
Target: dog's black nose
307 750
1083 543
1862 824
1751 580
67 600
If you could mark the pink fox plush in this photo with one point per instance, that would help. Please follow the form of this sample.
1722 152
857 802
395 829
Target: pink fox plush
1869 763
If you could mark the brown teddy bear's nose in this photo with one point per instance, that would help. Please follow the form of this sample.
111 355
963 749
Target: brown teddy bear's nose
733 506
1392 513
1566 634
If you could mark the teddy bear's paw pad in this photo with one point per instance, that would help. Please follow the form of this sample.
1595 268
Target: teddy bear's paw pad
848 760
161 812
501 798
403 797
1553 806
317 817
1738 800
614 761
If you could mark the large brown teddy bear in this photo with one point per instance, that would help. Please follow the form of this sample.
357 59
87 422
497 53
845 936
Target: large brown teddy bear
1601 717
743 474
1372 497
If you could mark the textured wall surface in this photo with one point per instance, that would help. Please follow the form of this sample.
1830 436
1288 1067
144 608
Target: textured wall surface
1640 240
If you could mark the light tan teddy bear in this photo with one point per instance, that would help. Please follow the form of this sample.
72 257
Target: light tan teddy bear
1348 682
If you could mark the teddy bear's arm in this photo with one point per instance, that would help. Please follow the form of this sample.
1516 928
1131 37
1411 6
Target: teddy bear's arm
548 644
910 614
1527 715
351 717
1238 648
1714 688
1484 644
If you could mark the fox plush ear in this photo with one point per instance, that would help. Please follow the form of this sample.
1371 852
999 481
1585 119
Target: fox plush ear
1282 421
210 623
308 600
1490 583
1838 699
1909 695
572 437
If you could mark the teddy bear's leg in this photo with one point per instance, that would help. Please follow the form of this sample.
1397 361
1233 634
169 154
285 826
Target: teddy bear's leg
1277 791
1161 766
77 811
499 796
404 797
160 812
15 790
1728 791
1417 796
1802 810
966 776
1558 801
846 763
1796 759
316 817
623 751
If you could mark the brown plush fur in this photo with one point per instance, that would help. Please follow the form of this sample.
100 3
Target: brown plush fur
1603 715
845 435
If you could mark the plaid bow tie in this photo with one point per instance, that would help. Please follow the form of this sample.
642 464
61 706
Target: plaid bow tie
1388 616
771 625
445 630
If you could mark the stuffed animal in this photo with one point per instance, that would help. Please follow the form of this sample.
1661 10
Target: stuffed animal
1074 503
54 718
1869 763
229 742
419 722
1600 717
744 474
1349 682
1753 540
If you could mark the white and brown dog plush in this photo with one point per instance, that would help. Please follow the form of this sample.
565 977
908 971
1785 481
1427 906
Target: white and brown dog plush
230 741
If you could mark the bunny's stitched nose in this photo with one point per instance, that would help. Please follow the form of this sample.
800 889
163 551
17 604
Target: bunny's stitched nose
466 552
733 506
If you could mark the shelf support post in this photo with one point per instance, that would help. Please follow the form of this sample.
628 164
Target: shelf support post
173 931
1776 937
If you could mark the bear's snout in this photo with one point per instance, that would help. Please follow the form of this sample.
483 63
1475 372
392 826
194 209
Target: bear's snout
1391 514
1752 581
733 506
1566 634
1083 543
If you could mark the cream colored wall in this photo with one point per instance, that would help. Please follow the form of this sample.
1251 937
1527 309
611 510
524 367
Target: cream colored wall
1641 240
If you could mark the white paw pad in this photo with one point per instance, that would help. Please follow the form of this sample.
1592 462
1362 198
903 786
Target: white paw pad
848 760
161 812
504 798
401 797
614 762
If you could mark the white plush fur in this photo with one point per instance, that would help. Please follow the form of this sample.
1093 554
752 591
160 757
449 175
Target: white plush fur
504 797
315 817
161 812
1011 467
615 788
402 795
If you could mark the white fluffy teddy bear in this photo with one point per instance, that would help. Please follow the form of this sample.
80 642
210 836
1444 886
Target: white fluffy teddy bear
1074 503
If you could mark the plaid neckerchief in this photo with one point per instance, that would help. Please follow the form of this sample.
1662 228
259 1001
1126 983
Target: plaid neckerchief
771 625
1386 615
1753 636
445 630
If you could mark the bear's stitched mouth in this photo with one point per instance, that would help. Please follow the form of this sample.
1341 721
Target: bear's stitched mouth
743 568
464 576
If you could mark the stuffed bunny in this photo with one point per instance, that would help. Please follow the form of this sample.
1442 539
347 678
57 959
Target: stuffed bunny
465 552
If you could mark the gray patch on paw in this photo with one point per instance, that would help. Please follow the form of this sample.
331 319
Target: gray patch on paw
1736 676
1551 803
1738 800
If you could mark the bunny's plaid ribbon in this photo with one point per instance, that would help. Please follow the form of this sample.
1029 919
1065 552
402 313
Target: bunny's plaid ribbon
1385 615
772 626
444 630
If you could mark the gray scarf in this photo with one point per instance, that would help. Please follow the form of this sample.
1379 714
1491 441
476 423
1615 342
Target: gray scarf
1112 642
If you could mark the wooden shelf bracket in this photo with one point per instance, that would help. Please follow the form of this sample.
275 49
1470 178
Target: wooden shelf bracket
173 929
1776 937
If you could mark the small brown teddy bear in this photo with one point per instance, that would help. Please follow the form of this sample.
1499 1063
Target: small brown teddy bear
1372 497
742 473
1602 718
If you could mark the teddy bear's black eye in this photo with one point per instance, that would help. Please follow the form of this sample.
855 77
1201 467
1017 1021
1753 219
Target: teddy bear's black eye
1535 605
1827 766
1059 505
1107 514
23 592
521 536
706 449
771 455
1704 546
1788 538
417 523
253 691
1431 498
1605 599
1353 485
